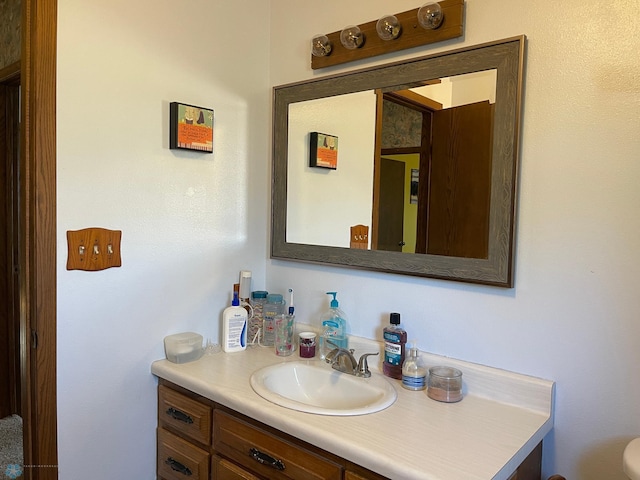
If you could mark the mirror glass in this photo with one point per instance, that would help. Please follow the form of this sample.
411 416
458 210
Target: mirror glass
420 154
348 192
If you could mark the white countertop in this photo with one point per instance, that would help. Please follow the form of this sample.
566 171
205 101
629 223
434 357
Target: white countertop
500 420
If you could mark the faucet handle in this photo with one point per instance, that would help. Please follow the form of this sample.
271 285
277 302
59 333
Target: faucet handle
363 365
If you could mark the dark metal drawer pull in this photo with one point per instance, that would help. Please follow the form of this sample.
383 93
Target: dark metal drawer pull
265 459
178 467
178 415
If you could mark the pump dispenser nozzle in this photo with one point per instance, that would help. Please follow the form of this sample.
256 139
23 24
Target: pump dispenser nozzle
334 302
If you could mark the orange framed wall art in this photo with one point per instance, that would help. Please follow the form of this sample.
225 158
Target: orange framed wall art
191 127
323 150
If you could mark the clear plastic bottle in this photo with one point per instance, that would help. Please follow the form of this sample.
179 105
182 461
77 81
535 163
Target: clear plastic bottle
258 299
414 373
244 288
273 307
334 328
395 339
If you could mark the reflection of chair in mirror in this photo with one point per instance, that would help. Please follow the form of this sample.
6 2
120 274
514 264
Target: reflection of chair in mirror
359 237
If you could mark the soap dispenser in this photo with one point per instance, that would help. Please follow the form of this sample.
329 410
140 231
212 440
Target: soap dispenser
334 328
414 373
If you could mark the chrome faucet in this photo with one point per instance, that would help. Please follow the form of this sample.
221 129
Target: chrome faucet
343 360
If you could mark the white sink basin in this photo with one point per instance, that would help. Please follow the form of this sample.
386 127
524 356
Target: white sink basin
314 387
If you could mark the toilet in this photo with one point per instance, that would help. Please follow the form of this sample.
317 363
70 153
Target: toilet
631 460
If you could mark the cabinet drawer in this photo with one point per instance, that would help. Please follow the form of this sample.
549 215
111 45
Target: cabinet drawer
222 469
249 445
179 459
362 475
189 416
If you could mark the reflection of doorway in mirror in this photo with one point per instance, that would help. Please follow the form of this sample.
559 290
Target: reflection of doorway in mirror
398 213
460 181
448 188
391 212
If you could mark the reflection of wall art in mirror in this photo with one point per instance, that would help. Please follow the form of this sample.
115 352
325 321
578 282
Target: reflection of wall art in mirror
413 199
323 150
190 127
465 110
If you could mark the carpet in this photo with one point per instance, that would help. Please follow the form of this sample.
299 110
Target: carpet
10 446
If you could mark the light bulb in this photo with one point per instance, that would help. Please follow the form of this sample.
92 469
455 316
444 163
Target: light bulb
430 15
388 27
320 46
351 37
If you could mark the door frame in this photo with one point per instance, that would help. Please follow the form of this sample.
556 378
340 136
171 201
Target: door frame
425 107
37 238
10 327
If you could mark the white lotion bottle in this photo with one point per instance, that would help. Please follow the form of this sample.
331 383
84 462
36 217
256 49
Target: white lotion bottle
234 327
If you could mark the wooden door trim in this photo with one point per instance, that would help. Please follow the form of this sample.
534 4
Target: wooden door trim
10 130
375 201
38 238
10 73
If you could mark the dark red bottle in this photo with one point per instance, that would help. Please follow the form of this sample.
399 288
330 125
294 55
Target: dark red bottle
395 339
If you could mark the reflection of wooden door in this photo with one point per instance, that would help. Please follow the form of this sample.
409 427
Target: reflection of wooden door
460 181
391 210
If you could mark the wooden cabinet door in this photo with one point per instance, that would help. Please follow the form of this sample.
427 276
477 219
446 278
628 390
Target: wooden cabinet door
184 414
179 459
266 454
222 469
356 472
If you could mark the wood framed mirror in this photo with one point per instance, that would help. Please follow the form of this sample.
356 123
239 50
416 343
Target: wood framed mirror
445 126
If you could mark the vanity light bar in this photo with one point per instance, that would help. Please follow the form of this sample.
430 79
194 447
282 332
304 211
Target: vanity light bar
330 50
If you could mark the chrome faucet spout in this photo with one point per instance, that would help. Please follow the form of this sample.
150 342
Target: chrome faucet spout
343 360
363 366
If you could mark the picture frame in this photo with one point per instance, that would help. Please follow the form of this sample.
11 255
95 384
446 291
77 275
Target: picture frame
323 150
415 179
190 127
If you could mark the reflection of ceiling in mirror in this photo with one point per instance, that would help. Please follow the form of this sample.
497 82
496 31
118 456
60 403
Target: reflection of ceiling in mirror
462 89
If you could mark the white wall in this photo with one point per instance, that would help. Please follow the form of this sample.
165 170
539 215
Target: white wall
462 89
474 87
190 221
325 203
573 314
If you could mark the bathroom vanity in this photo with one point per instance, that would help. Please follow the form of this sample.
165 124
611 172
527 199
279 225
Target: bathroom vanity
212 425
201 439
